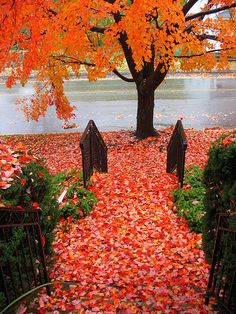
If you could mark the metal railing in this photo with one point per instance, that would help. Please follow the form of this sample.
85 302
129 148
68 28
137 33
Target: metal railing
222 278
176 152
22 259
94 151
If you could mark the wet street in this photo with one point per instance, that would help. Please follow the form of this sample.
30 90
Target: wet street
112 104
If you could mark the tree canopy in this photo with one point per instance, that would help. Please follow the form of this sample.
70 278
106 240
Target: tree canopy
54 38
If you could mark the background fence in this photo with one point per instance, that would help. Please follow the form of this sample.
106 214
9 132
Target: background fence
94 151
222 279
22 260
176 152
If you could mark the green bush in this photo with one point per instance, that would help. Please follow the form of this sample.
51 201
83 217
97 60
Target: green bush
9 257
25 182
220 182
77 201
31 188
189 199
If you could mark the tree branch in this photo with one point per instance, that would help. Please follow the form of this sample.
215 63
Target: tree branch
128 55
206 36
209 12
121 76
189 6
110 1
96 29
12 5
203 53
72 60
52 11
159 74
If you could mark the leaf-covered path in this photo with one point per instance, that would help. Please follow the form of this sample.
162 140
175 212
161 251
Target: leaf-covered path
132 254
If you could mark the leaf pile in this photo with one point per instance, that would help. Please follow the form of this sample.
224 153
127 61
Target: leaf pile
132 254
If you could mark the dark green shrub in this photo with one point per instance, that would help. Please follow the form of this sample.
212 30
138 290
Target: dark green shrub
8 256
189 199
77 201
220 183
31 188
25 182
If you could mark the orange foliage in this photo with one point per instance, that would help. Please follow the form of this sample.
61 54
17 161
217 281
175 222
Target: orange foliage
55 38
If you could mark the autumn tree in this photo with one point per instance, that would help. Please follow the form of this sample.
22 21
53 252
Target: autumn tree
55 38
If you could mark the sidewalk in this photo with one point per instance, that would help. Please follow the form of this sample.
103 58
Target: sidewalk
131 254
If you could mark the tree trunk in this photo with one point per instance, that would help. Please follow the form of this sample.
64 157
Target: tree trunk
145 110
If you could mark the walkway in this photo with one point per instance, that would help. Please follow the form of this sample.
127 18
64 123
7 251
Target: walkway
132 254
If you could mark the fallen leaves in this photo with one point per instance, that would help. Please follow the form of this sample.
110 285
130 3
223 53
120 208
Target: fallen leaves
11 161
132 254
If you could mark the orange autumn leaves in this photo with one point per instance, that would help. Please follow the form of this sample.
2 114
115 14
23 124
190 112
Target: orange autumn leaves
228 140
11 161
54 39
131 254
